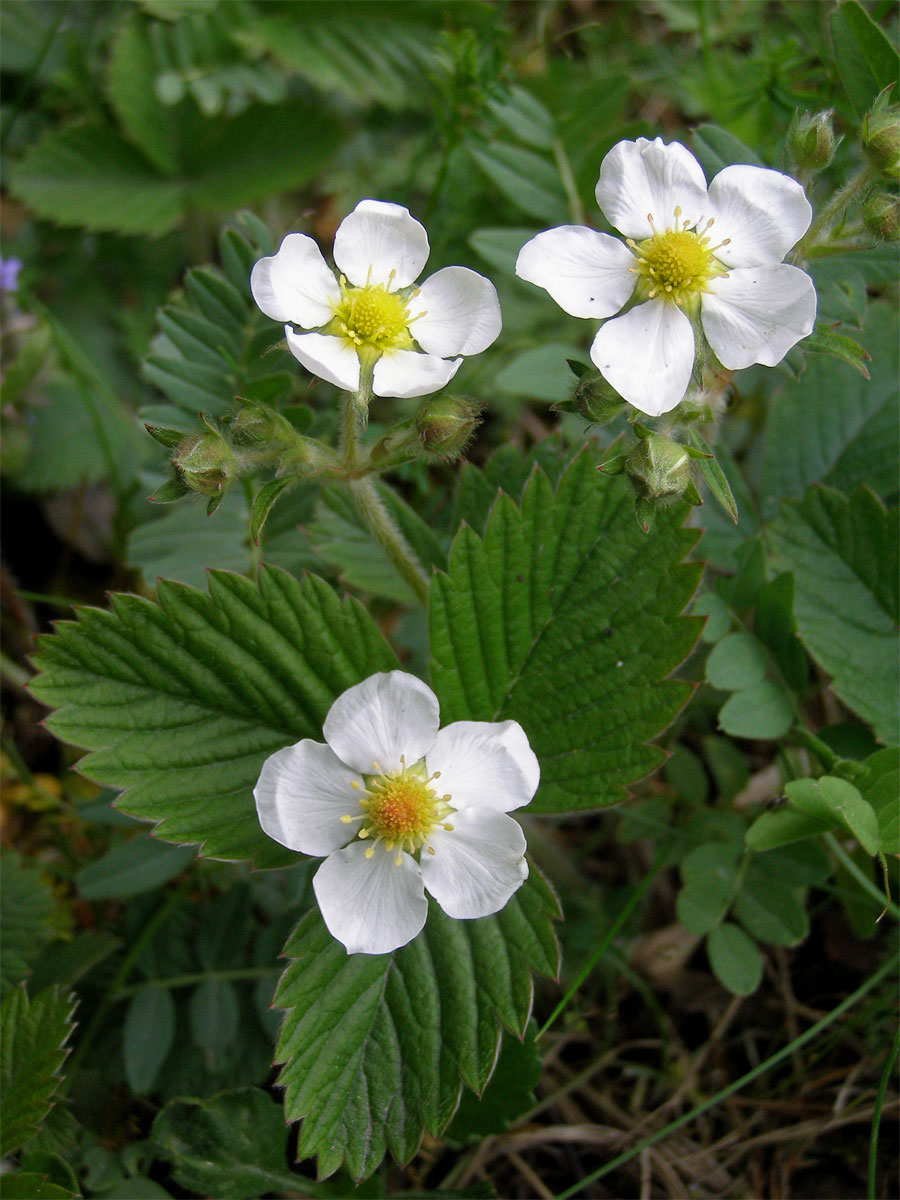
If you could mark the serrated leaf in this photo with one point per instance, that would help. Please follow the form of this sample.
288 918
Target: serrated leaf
26 906
763 710
866 60
718 616
33 1034
182 699
843 555
147 1036
830 426
231 1145
838 803
735 960
89 175
508 1095
567 619
837 345
737 661
528 180
525 118
375 1046
28 1185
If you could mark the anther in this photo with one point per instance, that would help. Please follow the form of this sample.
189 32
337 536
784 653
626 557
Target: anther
448 827
346 819
370 852
430 849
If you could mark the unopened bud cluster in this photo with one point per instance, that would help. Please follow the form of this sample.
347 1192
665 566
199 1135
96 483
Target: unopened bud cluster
811 140
881 137
446 424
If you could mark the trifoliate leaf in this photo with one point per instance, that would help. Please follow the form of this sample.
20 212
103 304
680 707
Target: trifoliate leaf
843 555
182 700
375 1047
567 619
33 1034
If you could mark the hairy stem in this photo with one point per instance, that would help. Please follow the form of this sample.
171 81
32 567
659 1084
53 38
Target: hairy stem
378 521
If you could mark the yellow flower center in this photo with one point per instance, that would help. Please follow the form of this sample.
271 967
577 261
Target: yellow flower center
399 809
676 264
371 317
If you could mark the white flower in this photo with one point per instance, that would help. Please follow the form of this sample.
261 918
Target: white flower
369 802
718 251
371 309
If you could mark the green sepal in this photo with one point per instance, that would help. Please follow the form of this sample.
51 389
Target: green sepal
172 489
713 475
170 438
214 502
264 502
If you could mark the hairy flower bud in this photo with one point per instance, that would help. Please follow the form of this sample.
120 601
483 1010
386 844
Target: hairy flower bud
881 216
446 424
658 467
881 138
596 400
205 463
811 140
256 424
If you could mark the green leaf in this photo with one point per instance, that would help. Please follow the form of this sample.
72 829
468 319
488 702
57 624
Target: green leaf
133 867
130 86
528 180
183 543
500 247
737 661
264 501
763 710
147 1037
718 616
33 1034
831 426
567 589
709 877
716 148
183 699
838 803
375 1046
837 345
735 960
770 909
773 623
866 60
525 118
26 907
231 1145
843 555
783 827
508 1095
88 175
881 791
28 1185
540 373
214 1015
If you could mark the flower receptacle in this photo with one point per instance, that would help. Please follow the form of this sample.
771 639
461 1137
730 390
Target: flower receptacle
596 400
205 463
658 470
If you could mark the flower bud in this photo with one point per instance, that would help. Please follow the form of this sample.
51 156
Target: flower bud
811 140
658 467
596 400
205 463
881 216
881 138
255 424
445 425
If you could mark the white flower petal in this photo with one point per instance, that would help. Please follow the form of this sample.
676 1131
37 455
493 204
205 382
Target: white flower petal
755 314
407 373
647 355
386 715
587 273
477 866
643 179
302 793
380 243
330 358
484 764
296 284
371 905
456 311
763 213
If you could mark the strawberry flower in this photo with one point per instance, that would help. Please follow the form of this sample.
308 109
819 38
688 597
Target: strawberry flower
369 310
397 806
695 259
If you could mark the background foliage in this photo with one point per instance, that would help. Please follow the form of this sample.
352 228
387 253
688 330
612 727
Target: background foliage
725 980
